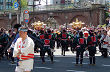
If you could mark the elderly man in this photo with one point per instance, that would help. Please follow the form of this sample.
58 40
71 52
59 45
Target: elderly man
105 41
24 51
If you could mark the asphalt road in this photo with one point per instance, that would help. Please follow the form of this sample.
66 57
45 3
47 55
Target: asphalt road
62 64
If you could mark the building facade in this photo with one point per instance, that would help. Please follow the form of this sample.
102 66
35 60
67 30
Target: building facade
56 2
6 4
61 15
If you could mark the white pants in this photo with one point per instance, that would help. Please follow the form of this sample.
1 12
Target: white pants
18 69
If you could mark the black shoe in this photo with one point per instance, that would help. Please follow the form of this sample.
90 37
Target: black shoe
64 55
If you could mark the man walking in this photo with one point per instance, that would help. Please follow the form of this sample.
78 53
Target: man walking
24 51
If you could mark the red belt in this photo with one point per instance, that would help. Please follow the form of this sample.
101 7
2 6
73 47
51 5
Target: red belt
26 57
64 39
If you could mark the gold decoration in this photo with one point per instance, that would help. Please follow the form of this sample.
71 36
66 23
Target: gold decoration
38 25
77 24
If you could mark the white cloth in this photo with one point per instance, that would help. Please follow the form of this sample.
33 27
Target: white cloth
106 39
109 43
12 45
86 32
18 69
28 48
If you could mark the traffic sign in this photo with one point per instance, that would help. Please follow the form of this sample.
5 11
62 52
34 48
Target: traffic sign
26 16
26 11
26 20
16 5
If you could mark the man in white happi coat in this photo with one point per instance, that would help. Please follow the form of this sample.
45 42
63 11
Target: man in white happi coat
105 43
108 33
24 51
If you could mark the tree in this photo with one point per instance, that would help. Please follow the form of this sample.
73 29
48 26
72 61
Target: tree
24 3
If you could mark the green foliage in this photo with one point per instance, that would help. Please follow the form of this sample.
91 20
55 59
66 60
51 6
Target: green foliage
24 3
106 14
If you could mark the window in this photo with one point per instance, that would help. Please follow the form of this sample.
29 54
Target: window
8 7
1 0
30 2
1 4
1 7
9 4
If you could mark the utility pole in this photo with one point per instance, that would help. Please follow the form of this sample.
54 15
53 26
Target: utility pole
4 4
19 12
33 10
46 2
66 17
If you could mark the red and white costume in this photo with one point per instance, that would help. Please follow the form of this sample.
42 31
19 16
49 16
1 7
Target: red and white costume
26 58
86 34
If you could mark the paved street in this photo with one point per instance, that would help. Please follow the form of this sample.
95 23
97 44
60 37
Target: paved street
62 64
75 23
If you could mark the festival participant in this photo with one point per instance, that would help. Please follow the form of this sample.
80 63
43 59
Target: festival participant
47 48
64 43
24 51
81 44
105 42
91 43
12 41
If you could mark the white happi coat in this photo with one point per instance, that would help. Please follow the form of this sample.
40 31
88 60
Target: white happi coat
26 47
109 43
106 39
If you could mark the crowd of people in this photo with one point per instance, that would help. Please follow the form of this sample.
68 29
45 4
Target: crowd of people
79 41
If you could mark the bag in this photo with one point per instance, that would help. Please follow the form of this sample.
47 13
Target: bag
86 53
